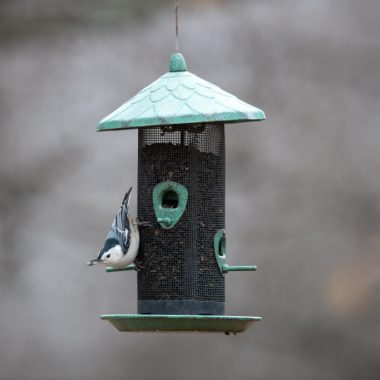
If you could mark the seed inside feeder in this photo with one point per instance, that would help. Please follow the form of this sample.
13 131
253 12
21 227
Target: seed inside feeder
194 160
170 199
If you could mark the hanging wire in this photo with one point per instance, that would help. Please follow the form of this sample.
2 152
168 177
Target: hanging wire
176 26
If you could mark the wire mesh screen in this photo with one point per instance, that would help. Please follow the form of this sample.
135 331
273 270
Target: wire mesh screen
178 272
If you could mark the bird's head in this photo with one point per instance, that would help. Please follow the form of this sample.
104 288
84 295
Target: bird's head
109 255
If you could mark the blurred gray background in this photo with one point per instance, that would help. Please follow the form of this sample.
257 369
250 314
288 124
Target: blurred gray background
303 187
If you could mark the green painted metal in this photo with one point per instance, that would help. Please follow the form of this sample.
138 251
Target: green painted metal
128 268
220 255
180 323
220 249
168 217
239 268
226 268
179 97
177 63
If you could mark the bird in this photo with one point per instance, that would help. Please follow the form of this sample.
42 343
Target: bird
122 241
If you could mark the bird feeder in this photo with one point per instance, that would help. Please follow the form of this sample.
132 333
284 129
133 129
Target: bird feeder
181 264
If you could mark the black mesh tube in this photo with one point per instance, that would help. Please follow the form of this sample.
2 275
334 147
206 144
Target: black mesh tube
178 272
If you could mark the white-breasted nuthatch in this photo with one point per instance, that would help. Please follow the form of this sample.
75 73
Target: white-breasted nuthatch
122 241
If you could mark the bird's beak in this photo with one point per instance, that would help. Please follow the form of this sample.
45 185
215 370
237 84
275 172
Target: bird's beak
94 262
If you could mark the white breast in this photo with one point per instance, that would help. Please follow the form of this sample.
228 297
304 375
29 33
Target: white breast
133 247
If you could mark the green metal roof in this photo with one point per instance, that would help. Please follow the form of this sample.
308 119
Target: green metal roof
179 97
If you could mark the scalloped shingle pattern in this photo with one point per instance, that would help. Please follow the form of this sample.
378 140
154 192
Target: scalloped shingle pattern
180 98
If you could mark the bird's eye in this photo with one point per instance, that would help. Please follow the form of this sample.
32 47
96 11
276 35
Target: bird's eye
108 256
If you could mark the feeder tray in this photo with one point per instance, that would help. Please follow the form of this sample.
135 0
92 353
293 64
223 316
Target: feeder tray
180 323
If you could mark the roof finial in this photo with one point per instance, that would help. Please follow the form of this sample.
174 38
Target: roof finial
177 63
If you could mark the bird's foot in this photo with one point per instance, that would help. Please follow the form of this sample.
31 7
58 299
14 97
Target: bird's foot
143 224
138 266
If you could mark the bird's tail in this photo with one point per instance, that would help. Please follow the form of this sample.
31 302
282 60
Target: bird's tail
121 219
126 198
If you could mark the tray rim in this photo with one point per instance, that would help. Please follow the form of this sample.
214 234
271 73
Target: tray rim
183 323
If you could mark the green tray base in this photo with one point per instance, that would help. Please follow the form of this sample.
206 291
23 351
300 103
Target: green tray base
180 323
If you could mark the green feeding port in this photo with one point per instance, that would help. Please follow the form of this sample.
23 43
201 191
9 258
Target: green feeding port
181 263
221 255
169 202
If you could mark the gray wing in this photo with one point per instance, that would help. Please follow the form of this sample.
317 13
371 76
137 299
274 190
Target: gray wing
120 228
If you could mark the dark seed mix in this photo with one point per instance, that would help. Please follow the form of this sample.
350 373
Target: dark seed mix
179 263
